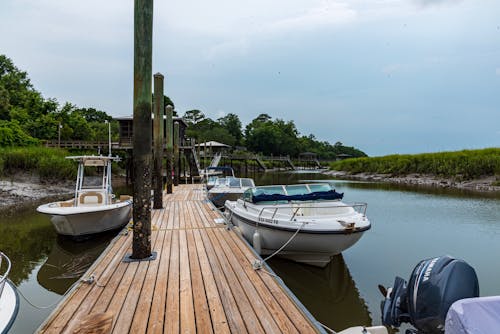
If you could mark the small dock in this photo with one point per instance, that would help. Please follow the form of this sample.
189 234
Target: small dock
201 282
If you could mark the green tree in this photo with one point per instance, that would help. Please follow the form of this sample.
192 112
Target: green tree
232 124
11 134
193 116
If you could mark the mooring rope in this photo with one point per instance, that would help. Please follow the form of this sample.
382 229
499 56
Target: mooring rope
258 263
88 280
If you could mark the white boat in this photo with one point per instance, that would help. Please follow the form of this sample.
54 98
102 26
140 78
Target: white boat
309 219
9 300
228 189
213 173
94 208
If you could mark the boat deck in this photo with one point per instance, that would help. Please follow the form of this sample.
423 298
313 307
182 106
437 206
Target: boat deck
201 282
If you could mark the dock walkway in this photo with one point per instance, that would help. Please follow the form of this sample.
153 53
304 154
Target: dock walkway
201 282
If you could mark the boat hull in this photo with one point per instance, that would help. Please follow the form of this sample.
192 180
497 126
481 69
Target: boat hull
9 306
306 247
74 223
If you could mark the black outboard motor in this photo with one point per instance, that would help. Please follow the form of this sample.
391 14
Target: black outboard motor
434 285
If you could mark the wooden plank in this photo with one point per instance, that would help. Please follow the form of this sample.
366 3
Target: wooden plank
219 320
157 313
172 308
94 324
203 323
238 318
270 304
128 313
300 321
250 301
186 293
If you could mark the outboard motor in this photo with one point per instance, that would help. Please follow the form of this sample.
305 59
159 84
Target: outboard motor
434 285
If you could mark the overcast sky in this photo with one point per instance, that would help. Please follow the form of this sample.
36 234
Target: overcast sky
385 76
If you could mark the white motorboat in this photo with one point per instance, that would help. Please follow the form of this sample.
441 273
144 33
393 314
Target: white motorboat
308 220
229 189
213 173
9 300
94 208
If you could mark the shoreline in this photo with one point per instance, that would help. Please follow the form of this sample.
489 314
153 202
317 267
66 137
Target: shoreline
24 191
483 185
16 193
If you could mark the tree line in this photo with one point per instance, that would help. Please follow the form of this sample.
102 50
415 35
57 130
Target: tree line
26 117
262 135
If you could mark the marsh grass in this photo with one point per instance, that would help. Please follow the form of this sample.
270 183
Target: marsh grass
461 165
48 163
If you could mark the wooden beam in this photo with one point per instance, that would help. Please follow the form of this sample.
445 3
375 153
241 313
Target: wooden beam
143 48
158 141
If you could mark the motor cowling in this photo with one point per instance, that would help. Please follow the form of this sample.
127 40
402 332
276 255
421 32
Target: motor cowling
434 285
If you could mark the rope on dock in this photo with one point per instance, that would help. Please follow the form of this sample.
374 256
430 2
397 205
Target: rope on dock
257 264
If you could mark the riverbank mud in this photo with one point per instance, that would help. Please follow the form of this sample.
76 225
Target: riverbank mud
22 191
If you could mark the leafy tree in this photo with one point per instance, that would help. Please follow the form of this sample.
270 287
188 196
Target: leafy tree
193 116
93 115
232 124
11 134
16 90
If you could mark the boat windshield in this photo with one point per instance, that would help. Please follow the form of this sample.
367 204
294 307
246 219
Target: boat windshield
247 183
220 181
296 192
320 187
297 189
270 190
234 182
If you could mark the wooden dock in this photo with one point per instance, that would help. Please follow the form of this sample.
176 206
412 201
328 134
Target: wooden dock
201 282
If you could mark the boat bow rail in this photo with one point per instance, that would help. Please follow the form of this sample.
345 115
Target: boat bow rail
298 210
4 275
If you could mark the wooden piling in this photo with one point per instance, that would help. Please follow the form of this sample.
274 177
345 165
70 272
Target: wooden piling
143 47
170 147
158 141
177 168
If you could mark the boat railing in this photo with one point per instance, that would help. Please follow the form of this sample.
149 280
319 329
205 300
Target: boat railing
4 276
295 208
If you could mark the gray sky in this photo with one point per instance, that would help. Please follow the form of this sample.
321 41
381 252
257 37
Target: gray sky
385 76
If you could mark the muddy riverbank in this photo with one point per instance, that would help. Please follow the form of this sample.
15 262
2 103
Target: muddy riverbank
25 190
486 184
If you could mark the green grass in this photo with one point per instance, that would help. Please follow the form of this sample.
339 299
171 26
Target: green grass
48 163
465 165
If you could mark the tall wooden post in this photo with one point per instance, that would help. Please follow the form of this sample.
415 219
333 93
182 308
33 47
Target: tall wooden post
177 169
170 147
158 141
143 47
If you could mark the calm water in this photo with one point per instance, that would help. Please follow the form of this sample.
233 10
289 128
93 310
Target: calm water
408 225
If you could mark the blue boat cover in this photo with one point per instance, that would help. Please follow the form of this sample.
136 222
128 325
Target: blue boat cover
474 316
317 195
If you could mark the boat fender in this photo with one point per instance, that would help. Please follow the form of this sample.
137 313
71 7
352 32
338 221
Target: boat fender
237 230
256 242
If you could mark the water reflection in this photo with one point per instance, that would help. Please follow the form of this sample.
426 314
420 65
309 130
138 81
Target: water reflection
69 260
27 238
329 293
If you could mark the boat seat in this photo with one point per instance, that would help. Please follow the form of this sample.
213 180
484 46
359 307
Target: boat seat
66 204
90 197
